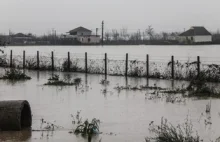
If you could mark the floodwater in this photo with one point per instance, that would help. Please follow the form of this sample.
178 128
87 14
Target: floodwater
156 52
124 115
153 50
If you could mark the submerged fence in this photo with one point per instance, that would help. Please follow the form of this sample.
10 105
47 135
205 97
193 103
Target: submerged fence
108 64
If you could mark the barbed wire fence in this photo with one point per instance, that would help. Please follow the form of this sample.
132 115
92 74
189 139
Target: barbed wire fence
163 67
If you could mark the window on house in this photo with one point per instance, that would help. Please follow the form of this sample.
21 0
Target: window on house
82 39
192 38
81 33
89 39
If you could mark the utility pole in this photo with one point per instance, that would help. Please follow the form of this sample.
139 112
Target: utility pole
102 33
96 31
55 37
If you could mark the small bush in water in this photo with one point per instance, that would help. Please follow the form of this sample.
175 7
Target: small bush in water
88 128
199 87
169 133
77 81
54 77
104 82
15 74
55 81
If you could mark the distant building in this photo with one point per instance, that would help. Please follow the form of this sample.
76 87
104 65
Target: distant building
195 35
21 38
81 35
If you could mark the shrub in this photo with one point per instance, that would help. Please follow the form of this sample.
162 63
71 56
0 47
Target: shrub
88 128
77 81
104 82
199 87
169 133
55 81
15 74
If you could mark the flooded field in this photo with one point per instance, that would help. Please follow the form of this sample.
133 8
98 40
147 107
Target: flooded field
125 115
207 51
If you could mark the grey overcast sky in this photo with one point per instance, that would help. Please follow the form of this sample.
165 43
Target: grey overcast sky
40 16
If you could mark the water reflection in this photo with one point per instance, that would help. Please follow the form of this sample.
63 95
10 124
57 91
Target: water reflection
172 84
23 135
38 75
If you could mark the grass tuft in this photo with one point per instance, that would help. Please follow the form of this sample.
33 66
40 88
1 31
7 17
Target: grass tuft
166 132
15 74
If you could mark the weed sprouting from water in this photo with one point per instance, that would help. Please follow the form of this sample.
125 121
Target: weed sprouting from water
166 132
56 81
140 88
77 81
104 82
88 128
54 77
199 87
85 128
15 74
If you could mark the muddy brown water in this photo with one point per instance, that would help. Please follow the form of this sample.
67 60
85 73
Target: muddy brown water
124 115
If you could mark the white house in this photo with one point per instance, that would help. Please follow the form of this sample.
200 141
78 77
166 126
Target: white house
83 36
195 35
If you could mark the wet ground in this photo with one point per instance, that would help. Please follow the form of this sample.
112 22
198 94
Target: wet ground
124 115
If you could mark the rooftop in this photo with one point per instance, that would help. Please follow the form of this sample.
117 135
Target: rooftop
196 31
80 29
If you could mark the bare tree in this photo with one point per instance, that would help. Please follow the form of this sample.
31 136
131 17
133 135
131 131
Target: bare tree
107 36
165 36
150 32
124 34
115 34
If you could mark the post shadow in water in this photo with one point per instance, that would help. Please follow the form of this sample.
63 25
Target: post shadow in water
38 75
172 84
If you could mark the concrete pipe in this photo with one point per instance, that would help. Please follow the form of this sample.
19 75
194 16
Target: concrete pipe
15 115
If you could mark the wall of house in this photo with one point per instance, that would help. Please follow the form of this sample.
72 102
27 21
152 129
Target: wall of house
194 39
183 39
203 38
89 39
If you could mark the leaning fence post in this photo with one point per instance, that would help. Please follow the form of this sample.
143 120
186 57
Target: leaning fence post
52 60
198 66
24 59
38 61
86 62
11 59
172 67
105 65
126 65
68 62
147 65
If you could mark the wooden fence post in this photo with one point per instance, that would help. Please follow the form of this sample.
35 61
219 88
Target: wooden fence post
11 59
126 65
86 69
52 60
24 59
68 61
38 61
172 66
106 66
147 65
198 66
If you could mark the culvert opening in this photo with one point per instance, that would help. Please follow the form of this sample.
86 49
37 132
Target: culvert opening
26 118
